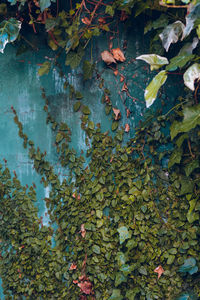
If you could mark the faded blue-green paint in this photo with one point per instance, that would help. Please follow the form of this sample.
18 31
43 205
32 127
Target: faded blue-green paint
20 87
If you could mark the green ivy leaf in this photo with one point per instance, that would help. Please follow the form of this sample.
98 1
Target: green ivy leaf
175 157
45 68
124 234
88 69
96 249
77 105
110 10
152 89
191 120
190 167
74 58
120 278
179 61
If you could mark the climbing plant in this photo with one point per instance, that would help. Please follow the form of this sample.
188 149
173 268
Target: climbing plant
124 224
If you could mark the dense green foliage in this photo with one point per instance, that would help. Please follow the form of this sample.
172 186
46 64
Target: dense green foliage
134 207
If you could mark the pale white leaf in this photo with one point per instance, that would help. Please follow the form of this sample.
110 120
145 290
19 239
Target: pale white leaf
192 74
155 61
152 89
171 34
192 16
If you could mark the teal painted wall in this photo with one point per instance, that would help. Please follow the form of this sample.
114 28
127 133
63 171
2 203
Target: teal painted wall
20 87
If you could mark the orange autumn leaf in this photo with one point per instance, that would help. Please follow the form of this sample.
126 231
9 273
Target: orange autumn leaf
127 128
116 72
107 57
117 113
83 231
118 54
159 270
73 267
124 88
86 21
122 78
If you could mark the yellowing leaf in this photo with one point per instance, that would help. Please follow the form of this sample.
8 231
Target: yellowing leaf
152 89
155 61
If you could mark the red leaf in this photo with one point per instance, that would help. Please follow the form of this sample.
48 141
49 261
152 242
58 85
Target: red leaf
107 57
127 128
86 21
118 54
73 267
116 72
123 16
83 231
159 270
101 20
75 281
86 287
117 113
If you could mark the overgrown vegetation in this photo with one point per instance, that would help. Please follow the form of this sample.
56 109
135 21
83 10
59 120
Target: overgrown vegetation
125 226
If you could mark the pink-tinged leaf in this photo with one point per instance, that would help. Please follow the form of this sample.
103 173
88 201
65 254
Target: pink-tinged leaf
73 267
117 113
127 128
118 54
83 231
86 287
159 270
107 57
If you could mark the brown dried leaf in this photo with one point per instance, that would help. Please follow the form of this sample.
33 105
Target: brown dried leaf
128 112
117 113
107 57
118 54
86 287
159 270
127 128
116 72
83 231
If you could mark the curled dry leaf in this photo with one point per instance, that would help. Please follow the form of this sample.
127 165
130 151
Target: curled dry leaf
117 113
124 88
86 21
127 127
83 231
107 57
122 78
128 112
118 54
73 267
159 270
